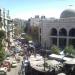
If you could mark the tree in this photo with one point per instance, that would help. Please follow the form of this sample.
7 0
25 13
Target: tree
2 51
2 34
2 54
55 49
17 31
1 24
26 29
69 50
34 32
27 37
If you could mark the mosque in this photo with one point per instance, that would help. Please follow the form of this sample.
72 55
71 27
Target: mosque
59 32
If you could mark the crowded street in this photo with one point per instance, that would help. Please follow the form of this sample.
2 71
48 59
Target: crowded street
16 70
37 37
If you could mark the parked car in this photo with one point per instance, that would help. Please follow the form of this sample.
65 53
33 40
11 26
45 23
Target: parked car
7 64
8 60
18 59
3 71
14 64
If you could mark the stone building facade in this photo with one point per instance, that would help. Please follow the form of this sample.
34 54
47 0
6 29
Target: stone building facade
60 32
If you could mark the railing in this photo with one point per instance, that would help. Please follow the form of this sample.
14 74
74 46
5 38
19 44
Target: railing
70 37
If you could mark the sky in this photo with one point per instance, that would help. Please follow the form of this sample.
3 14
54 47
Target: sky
25 9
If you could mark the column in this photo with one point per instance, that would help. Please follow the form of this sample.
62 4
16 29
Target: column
67 40
58 41
57 38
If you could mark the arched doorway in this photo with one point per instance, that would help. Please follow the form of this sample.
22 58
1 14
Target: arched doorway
72 35
54 34
62 37
62 32
72 32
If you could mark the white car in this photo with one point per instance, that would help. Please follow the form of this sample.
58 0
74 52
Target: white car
7 58
14 63
3 71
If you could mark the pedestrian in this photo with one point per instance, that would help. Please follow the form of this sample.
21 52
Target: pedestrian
19 72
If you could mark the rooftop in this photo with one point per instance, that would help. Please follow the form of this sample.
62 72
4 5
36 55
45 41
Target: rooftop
67 13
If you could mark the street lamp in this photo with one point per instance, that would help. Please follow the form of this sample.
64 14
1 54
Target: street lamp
45 45
44 54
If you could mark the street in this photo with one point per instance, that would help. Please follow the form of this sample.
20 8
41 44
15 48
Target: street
14 71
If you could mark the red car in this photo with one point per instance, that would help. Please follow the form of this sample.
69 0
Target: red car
7 64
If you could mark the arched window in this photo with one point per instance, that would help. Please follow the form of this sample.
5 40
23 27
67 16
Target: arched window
72 32
62 32
53 32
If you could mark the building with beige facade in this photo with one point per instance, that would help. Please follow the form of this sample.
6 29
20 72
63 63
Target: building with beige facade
6 24
59 32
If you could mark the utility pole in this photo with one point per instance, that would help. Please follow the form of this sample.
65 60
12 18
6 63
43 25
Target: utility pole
4 17
8 28
44 63
44 55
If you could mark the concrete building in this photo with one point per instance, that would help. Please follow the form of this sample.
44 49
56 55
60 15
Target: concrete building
60 32
35 21
6 24
20 22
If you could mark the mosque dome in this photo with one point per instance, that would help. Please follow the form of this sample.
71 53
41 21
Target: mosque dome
67 13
